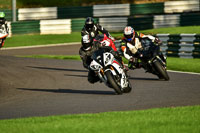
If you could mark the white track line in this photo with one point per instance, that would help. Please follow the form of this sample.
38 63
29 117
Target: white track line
177 71
183 72
38 46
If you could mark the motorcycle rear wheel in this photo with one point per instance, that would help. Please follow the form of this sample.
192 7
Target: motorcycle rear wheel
113 83
162 73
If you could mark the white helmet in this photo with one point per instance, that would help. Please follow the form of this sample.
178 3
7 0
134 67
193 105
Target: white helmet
129 33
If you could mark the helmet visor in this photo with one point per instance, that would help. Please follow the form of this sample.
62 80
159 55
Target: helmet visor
86 45
89 26
2 20
128 36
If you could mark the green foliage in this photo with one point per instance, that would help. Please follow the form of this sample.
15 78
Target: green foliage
5 4
164 120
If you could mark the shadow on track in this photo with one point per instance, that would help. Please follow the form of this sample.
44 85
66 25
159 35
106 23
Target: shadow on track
58 69
146 79
71 91
70 75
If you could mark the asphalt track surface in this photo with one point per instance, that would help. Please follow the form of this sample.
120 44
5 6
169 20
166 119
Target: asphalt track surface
43 87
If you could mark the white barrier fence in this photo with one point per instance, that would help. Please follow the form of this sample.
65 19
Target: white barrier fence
181 6
166 21
111 10
37 13
58 26
114 24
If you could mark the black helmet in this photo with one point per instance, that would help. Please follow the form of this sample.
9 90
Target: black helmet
89 23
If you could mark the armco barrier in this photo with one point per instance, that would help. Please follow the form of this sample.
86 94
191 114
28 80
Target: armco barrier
77 24
25 27
188 19
164 38
153 8
186 45
183 45
141 23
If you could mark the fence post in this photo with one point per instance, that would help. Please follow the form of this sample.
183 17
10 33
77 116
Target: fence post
14 11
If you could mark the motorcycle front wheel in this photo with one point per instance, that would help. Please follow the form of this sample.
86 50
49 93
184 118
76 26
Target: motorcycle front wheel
128 89
113 83
162 73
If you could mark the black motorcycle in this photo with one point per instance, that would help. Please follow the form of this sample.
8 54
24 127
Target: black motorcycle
151 59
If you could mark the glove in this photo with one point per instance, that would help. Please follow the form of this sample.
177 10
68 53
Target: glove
133 60
112 38
133 63
157 41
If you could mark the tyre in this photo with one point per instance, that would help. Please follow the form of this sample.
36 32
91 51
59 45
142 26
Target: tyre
128 89
162 73
113 83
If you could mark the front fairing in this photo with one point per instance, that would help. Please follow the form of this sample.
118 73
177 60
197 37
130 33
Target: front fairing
98 56
3 32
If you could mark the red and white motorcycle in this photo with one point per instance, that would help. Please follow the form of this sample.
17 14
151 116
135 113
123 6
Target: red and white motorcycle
108 68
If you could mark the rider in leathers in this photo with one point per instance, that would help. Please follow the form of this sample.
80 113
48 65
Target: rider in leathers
88 33
131 43
91 29
89 46
4 28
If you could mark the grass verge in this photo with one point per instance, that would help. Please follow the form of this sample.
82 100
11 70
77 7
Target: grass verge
165 120
177 64
29 40
182 64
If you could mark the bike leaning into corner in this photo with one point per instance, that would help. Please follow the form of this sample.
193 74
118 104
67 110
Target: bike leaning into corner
152 60
108 68
3 29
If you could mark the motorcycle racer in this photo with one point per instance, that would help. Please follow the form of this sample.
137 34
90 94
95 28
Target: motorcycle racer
90 45
92 29
131 44
88 33
86 50
3 29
